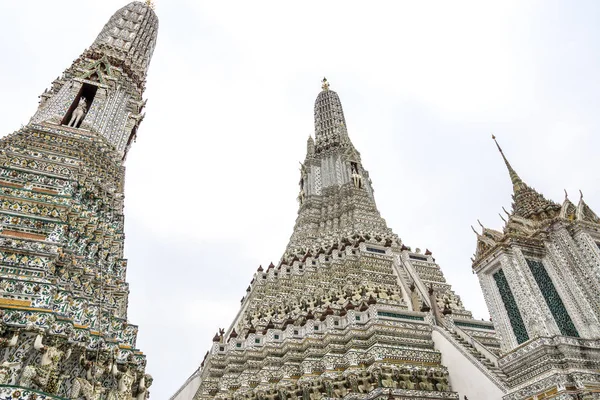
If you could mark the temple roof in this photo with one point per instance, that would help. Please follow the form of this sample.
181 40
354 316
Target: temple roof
130 35
527 202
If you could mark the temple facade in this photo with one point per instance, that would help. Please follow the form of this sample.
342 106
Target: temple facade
350 310
63 290
540 277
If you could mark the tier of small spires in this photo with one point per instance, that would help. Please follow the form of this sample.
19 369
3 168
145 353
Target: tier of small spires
527 202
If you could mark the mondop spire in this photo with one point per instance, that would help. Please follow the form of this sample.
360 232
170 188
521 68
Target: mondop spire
540 280
64 331
527 202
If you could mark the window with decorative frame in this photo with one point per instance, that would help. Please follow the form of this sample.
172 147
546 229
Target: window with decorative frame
510 304
552 298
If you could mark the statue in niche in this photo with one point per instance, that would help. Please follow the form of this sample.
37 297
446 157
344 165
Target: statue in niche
316 390
365 382
424 381
125 380
441 381
340 387
407 380
357 178
46 375
79 113
91 386
5 367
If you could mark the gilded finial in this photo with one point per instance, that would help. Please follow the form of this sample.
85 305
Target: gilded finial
150 3
325 84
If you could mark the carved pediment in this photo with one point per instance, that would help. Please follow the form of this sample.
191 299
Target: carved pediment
585 213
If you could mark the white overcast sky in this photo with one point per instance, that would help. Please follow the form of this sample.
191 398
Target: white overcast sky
212 179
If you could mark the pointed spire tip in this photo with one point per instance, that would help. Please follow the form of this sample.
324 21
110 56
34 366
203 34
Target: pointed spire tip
325 84
514 177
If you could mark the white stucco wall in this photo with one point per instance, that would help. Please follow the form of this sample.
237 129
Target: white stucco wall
189 389
465 378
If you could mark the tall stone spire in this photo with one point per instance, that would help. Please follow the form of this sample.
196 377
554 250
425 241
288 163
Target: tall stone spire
336 196
64 330
349 311
107 81
527 202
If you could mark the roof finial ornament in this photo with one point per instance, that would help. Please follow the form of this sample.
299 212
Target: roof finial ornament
580 195
150 3
477 233
480 224
566 195
502 218
516 181
504 209
325 84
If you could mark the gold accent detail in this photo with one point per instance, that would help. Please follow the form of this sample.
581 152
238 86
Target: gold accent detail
81 326
45 191
150 3
325 85
124 346
396 361
23 235
12 185
42 310
15 302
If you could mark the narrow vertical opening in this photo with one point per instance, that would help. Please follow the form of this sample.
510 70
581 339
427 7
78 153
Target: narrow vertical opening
81 105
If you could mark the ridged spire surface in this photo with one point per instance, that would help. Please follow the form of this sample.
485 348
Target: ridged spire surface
330 124
130 35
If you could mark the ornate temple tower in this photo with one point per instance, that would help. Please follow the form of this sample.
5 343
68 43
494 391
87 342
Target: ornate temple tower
63 294
541 278
349 310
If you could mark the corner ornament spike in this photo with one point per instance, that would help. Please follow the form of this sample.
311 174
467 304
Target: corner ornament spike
325 84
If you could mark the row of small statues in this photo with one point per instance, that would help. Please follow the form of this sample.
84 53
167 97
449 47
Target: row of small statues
48 375
363 382
336 299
